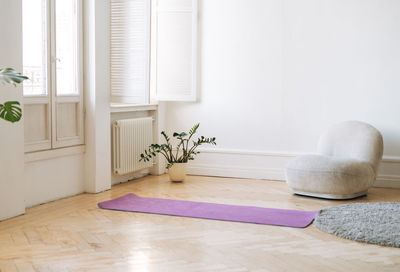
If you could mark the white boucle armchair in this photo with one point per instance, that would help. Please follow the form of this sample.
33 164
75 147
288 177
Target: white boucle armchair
345 167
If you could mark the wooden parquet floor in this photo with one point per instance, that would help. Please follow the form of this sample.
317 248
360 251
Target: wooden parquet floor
72 234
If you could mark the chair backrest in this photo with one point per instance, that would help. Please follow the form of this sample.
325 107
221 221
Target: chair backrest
355 140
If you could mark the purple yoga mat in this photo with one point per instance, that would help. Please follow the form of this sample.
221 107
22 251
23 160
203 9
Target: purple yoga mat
247 214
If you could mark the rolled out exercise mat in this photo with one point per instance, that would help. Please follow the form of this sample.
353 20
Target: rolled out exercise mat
224 212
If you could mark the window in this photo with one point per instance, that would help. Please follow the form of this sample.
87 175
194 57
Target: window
173 50
53 108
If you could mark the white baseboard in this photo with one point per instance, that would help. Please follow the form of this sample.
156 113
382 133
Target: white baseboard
270 165
387 181
236 172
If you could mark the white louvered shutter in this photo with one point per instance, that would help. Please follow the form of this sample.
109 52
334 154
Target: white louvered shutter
174 51
130 50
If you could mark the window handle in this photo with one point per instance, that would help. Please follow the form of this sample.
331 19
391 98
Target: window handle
54 59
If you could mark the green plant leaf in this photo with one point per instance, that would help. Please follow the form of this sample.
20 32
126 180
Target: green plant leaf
183 151
11 111
182 134
9 75
194 129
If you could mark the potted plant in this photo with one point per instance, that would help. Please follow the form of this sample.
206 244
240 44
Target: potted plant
178 157
11 110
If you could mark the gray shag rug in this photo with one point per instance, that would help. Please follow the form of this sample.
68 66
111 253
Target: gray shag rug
375 223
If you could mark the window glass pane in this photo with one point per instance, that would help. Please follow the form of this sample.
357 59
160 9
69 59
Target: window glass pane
34 46
66 47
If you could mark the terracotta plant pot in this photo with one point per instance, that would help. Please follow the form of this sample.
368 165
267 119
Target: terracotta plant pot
177 172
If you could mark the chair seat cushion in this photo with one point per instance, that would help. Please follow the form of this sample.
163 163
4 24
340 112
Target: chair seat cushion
329 175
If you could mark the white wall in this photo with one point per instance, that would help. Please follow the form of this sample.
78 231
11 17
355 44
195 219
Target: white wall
97 96
11 135
48 180
61 173
70 171
274 74
26 184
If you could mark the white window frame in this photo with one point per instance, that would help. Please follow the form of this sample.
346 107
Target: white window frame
51 100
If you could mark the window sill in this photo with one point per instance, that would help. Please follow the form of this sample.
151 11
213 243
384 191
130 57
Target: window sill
54 153
121 107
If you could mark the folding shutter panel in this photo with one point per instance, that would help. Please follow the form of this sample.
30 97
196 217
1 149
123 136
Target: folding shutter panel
130 50
175 50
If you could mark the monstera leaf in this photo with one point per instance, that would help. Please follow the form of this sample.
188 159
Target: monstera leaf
9 75
11 111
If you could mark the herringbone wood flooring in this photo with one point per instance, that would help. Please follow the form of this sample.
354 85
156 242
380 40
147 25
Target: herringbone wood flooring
72 234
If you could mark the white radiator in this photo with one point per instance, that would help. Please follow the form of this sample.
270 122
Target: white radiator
131 137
